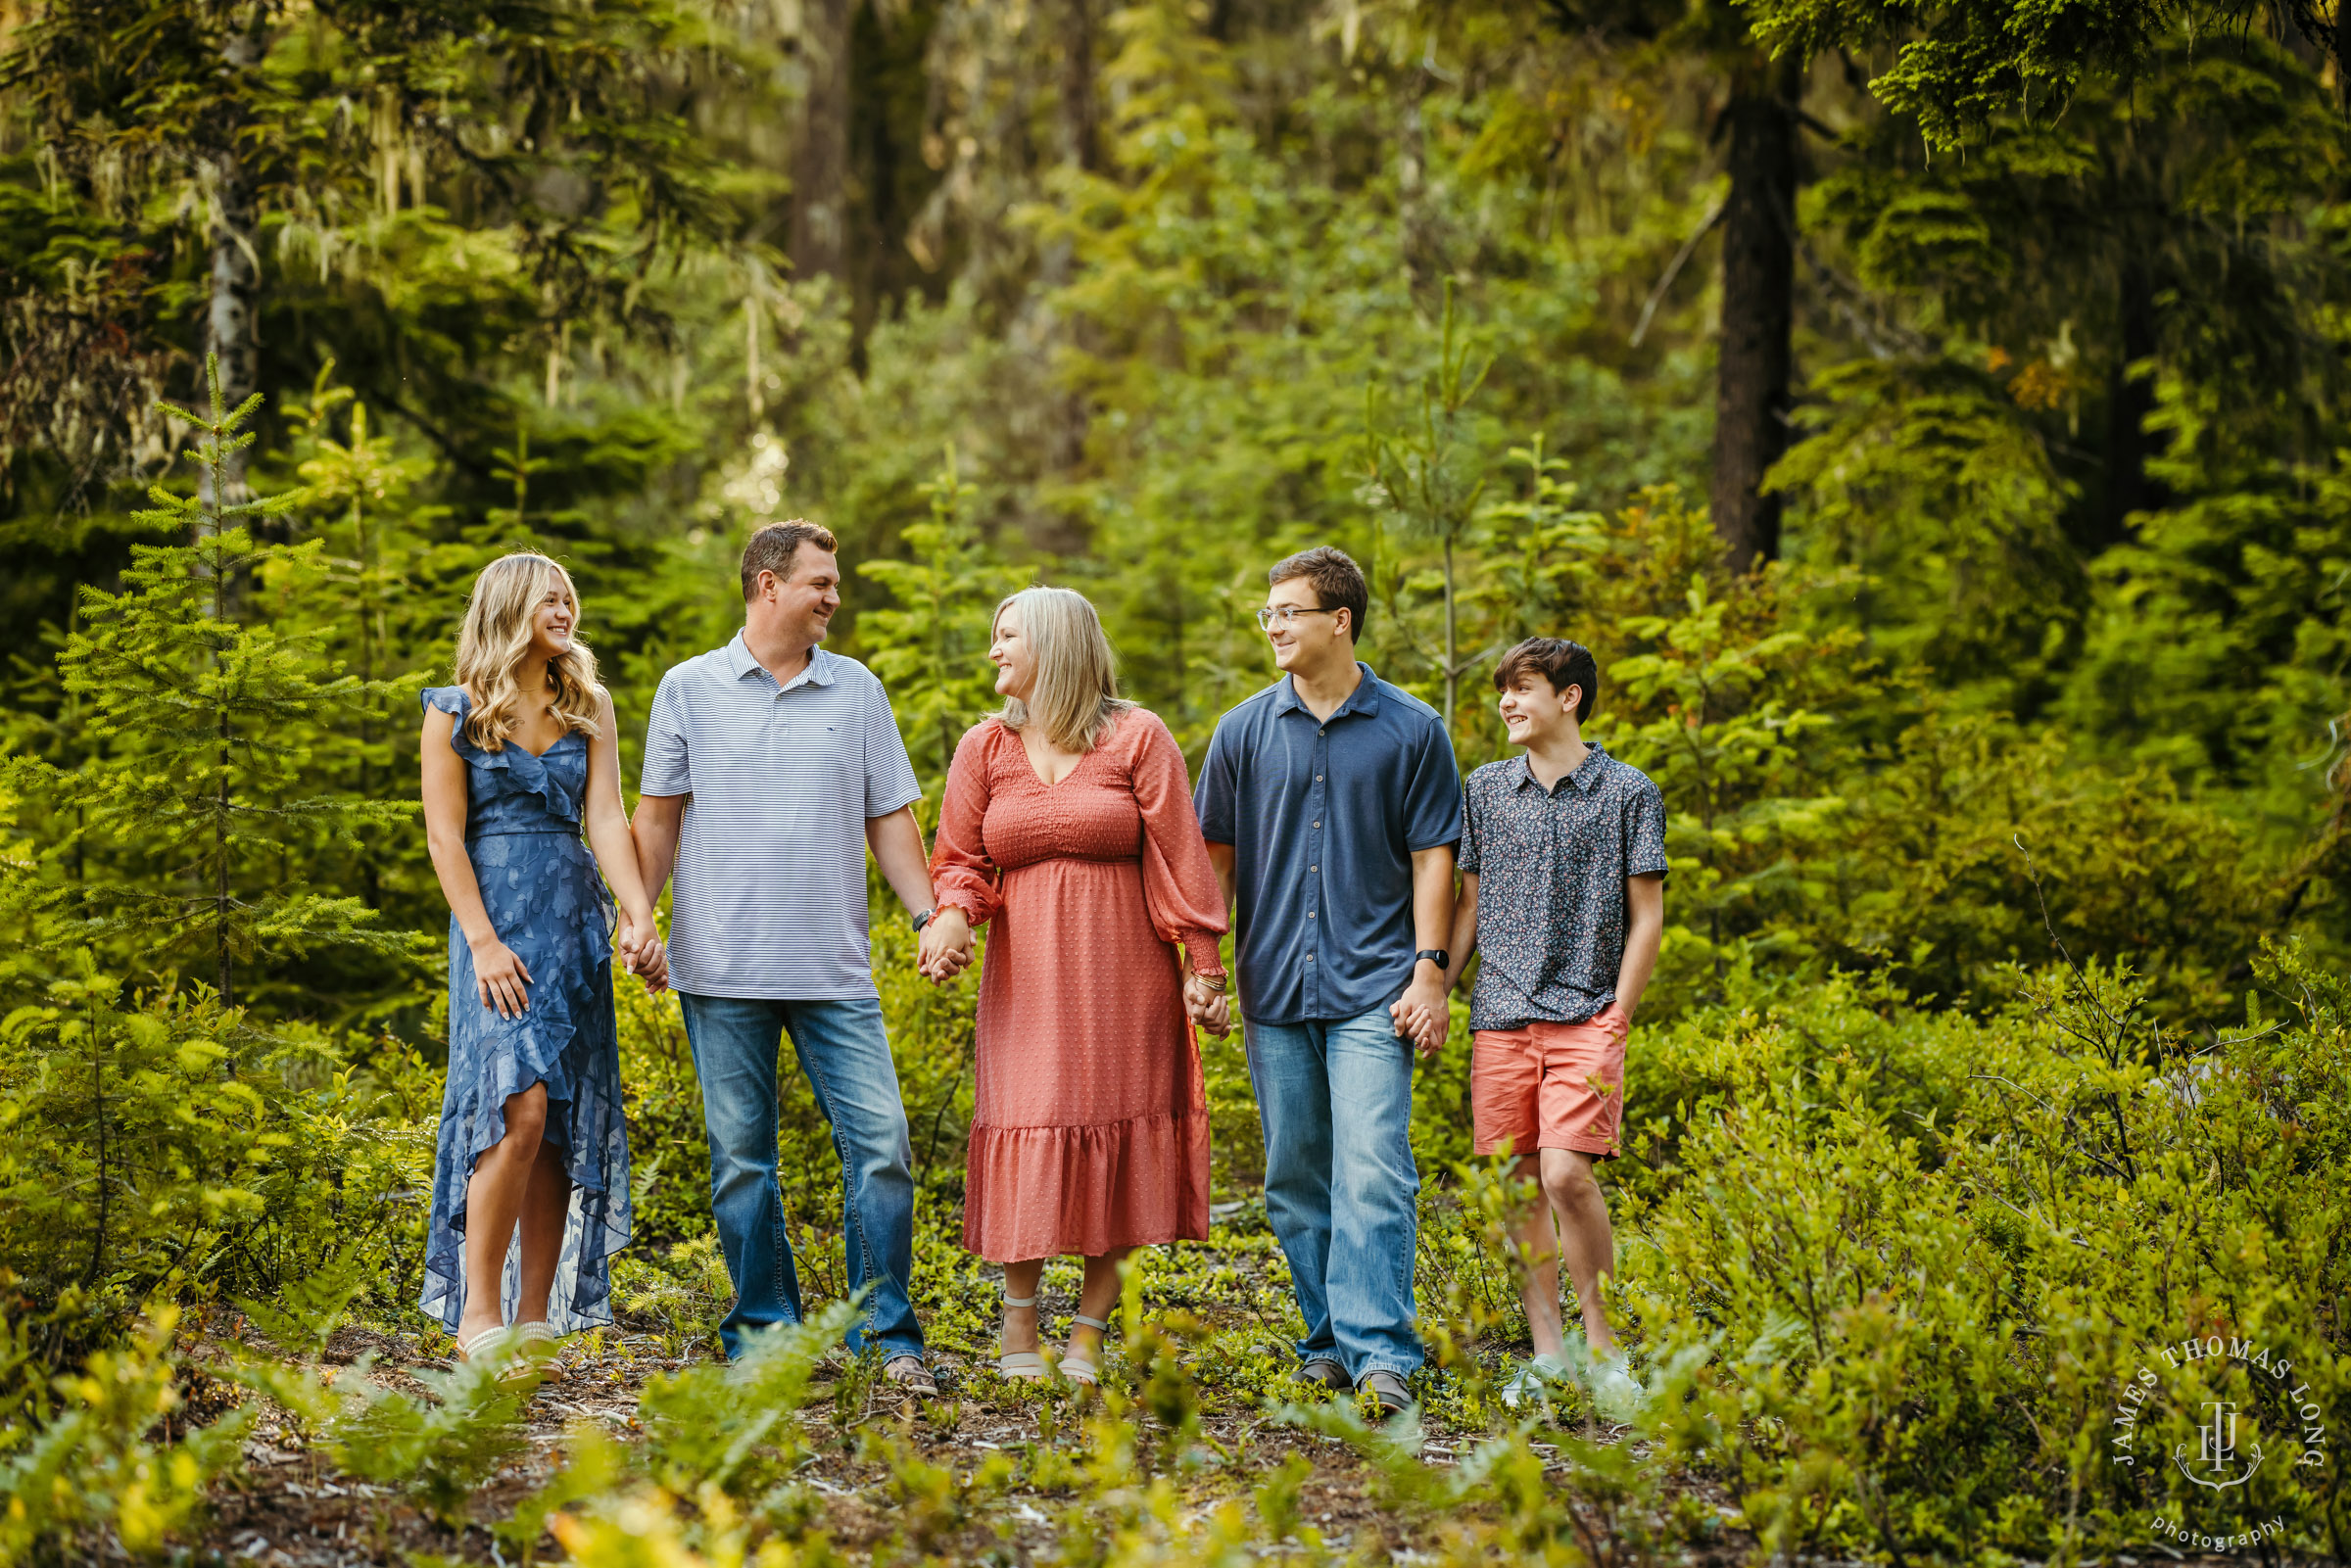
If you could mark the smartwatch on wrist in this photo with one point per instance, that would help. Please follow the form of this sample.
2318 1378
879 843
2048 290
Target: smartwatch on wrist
1435 955
924 918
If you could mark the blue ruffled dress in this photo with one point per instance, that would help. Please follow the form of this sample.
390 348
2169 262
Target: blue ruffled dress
548 903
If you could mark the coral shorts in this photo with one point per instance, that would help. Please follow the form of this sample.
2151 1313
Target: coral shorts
1549 1085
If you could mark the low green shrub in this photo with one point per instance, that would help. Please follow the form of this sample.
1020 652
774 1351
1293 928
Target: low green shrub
166 1142
104 1452
1924 1303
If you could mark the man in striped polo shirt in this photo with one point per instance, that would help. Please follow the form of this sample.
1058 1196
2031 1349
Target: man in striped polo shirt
770 766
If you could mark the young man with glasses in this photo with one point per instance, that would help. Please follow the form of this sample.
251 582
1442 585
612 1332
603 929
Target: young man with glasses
1331 805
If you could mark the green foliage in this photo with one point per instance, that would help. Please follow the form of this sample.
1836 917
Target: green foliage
1919 1312
137 1163
931 648
101 1464
192 724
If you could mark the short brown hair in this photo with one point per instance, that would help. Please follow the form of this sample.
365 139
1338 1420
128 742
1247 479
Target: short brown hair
772 548
1563 663
1337 582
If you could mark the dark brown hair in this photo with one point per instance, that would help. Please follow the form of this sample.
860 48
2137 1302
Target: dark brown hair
1556 659
772 548
1337 582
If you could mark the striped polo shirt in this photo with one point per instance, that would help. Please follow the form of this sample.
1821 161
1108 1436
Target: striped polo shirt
769 901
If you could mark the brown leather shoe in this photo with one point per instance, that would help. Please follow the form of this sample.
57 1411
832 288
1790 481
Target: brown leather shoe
1324 1373
1390 1389
910 1374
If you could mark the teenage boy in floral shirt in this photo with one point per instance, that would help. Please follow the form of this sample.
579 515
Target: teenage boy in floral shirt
1562 865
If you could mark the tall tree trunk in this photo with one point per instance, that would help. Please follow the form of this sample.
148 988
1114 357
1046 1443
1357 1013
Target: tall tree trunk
1758 306
820 158
230 319
2130 401
1076 126
1079 112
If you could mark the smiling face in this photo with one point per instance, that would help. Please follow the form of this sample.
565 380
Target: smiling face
1014 657
796 605
553 619
1536 713
1307 639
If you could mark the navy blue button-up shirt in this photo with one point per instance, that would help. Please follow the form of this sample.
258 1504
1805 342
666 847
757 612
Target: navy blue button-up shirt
1324 817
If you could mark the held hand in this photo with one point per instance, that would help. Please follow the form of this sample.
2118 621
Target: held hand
1421 1015
1207 1005
501 977
634 938
945 950
653 966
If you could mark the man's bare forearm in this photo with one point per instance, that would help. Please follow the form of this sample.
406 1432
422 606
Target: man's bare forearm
655 831
1220 857
896 841
1432 897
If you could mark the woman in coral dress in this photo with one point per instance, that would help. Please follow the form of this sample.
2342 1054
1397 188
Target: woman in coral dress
1068 827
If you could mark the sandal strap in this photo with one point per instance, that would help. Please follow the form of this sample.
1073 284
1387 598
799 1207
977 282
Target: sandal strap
1089 1322
1009 1300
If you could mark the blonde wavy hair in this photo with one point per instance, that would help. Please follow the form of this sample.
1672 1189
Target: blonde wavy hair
496 638
1076 696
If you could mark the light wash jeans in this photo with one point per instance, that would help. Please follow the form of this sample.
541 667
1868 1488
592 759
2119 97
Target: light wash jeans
845 1054
1334 1099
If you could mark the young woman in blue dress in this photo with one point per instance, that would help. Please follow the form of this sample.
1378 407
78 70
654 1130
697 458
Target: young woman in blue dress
531 1185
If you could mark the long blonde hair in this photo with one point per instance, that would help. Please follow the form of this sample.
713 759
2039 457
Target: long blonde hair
496 637
1076 695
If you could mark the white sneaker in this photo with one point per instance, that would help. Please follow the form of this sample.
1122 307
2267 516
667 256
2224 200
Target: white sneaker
1531 1383
1615 1392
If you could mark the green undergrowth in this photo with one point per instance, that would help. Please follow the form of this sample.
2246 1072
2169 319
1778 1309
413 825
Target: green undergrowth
1886 1270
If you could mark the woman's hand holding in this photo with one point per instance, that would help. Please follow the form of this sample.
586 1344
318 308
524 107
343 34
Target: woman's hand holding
499 977
642 950
945 950
1205 1004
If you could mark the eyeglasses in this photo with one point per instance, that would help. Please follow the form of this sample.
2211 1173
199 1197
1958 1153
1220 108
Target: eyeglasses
1284 614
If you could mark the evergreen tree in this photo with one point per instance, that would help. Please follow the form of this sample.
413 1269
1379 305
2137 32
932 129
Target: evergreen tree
930 646
198 721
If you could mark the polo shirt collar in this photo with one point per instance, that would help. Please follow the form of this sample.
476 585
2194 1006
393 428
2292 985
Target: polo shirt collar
820 672
1364 700
1586 777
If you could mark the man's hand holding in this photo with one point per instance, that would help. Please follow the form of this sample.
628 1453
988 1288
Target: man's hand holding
945 950
1420 1012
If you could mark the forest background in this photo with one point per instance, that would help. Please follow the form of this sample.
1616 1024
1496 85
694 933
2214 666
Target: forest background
1935 423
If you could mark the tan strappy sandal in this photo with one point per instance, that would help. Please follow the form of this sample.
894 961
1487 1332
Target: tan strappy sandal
1077 1368
538 1344
1024 1365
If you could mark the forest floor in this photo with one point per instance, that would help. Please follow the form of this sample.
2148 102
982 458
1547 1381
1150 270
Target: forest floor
292 1507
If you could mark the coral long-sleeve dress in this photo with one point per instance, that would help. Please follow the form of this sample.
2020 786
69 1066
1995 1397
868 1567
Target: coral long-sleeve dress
1091 1132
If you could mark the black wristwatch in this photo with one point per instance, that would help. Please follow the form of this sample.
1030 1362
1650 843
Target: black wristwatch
1435 955
924 918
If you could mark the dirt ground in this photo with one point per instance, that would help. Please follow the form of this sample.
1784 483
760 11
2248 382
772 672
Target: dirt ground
292 1507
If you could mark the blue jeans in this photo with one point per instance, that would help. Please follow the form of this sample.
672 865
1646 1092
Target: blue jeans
845 1054
1334 1098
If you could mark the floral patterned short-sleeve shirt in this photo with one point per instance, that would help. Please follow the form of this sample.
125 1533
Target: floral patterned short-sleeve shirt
1551 866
